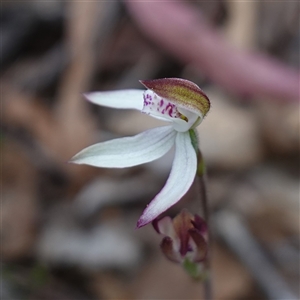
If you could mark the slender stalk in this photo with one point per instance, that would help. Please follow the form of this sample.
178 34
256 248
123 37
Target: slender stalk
201 178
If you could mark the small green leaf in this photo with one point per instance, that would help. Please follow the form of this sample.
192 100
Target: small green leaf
193 269
196 270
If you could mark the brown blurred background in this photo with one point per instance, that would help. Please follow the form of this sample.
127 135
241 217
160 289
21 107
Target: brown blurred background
67 231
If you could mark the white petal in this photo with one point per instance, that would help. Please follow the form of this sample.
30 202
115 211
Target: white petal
180 180
128 99
128 151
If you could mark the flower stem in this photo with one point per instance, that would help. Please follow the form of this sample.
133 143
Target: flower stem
201 178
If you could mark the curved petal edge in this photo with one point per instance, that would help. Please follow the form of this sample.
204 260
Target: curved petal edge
122 99
180 180
128 151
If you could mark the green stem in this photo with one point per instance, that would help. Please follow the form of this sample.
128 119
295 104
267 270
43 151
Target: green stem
206 214
201 178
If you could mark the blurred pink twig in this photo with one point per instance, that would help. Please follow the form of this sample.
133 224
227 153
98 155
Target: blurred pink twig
183 32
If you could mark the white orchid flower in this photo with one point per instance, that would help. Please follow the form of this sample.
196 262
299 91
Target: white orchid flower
177 101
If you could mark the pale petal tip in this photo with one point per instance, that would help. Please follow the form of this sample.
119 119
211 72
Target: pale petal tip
86 96
143 221
140 223
72 161
75 159
146 217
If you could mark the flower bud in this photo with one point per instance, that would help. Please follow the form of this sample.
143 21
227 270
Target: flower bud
185 237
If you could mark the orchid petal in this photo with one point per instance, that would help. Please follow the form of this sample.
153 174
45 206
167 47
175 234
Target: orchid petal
165 226
128 151
200 245
200 225
168 250
182 223
124 99
180 180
